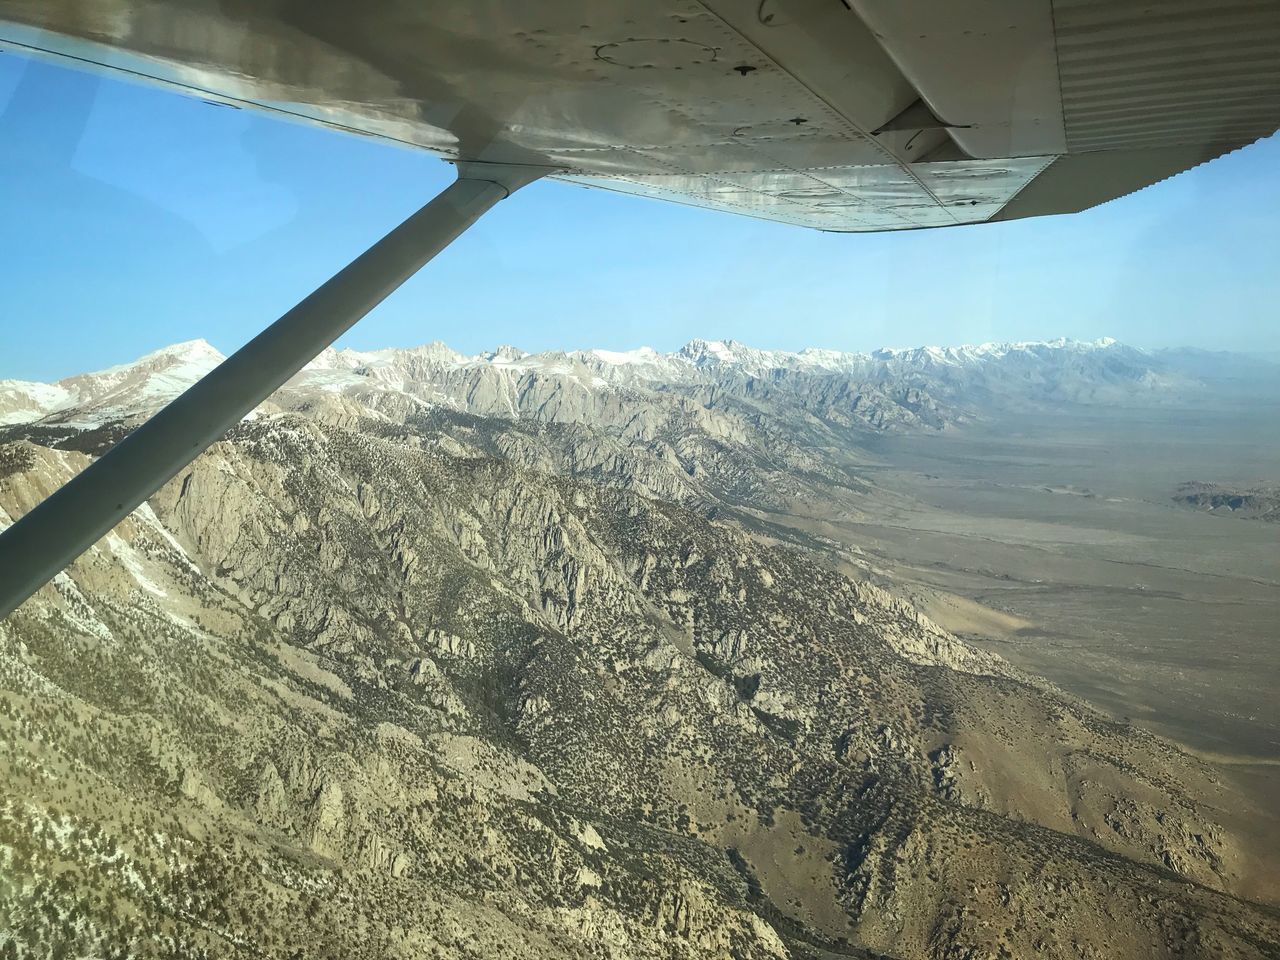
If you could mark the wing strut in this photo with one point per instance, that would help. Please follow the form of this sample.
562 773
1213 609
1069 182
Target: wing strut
49 537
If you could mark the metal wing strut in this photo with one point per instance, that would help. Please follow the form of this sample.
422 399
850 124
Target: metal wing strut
51 536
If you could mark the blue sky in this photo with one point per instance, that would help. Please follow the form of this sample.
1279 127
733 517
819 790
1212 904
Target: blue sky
134 217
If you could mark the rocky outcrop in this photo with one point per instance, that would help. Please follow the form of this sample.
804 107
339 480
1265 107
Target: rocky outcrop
385 679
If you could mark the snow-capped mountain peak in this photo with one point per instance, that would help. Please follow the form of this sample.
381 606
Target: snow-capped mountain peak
708 352
151 380
114 393
188 360
198 351
433 373
616 358
505 354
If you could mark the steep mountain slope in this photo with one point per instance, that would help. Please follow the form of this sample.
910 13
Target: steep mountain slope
116 393
382 676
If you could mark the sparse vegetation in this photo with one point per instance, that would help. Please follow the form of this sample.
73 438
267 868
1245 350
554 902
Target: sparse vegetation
386 679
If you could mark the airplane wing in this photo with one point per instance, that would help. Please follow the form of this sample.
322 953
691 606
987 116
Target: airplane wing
845 115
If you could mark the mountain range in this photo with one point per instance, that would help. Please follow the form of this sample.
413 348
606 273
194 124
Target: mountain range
528 655
1050 371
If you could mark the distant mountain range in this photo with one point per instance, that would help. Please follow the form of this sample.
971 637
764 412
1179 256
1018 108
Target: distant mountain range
549 655
887 388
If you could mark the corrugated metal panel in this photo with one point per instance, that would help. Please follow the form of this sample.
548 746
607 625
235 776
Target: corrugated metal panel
1144 74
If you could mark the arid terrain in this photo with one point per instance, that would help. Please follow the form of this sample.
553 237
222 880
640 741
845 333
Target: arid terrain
718 653
1073 524
1064 529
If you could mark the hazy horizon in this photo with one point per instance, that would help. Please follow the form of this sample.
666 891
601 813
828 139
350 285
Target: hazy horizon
1262 355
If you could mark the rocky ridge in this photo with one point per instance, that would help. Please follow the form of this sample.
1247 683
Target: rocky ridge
380 675
1252 502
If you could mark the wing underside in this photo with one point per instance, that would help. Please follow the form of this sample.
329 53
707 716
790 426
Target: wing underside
848 116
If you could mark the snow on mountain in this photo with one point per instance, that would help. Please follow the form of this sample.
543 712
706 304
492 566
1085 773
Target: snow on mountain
627 358
1054 370
1050 371
22 401
505 354
695 358
979 353
337 370
714 356
705 354
90 399
133 388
